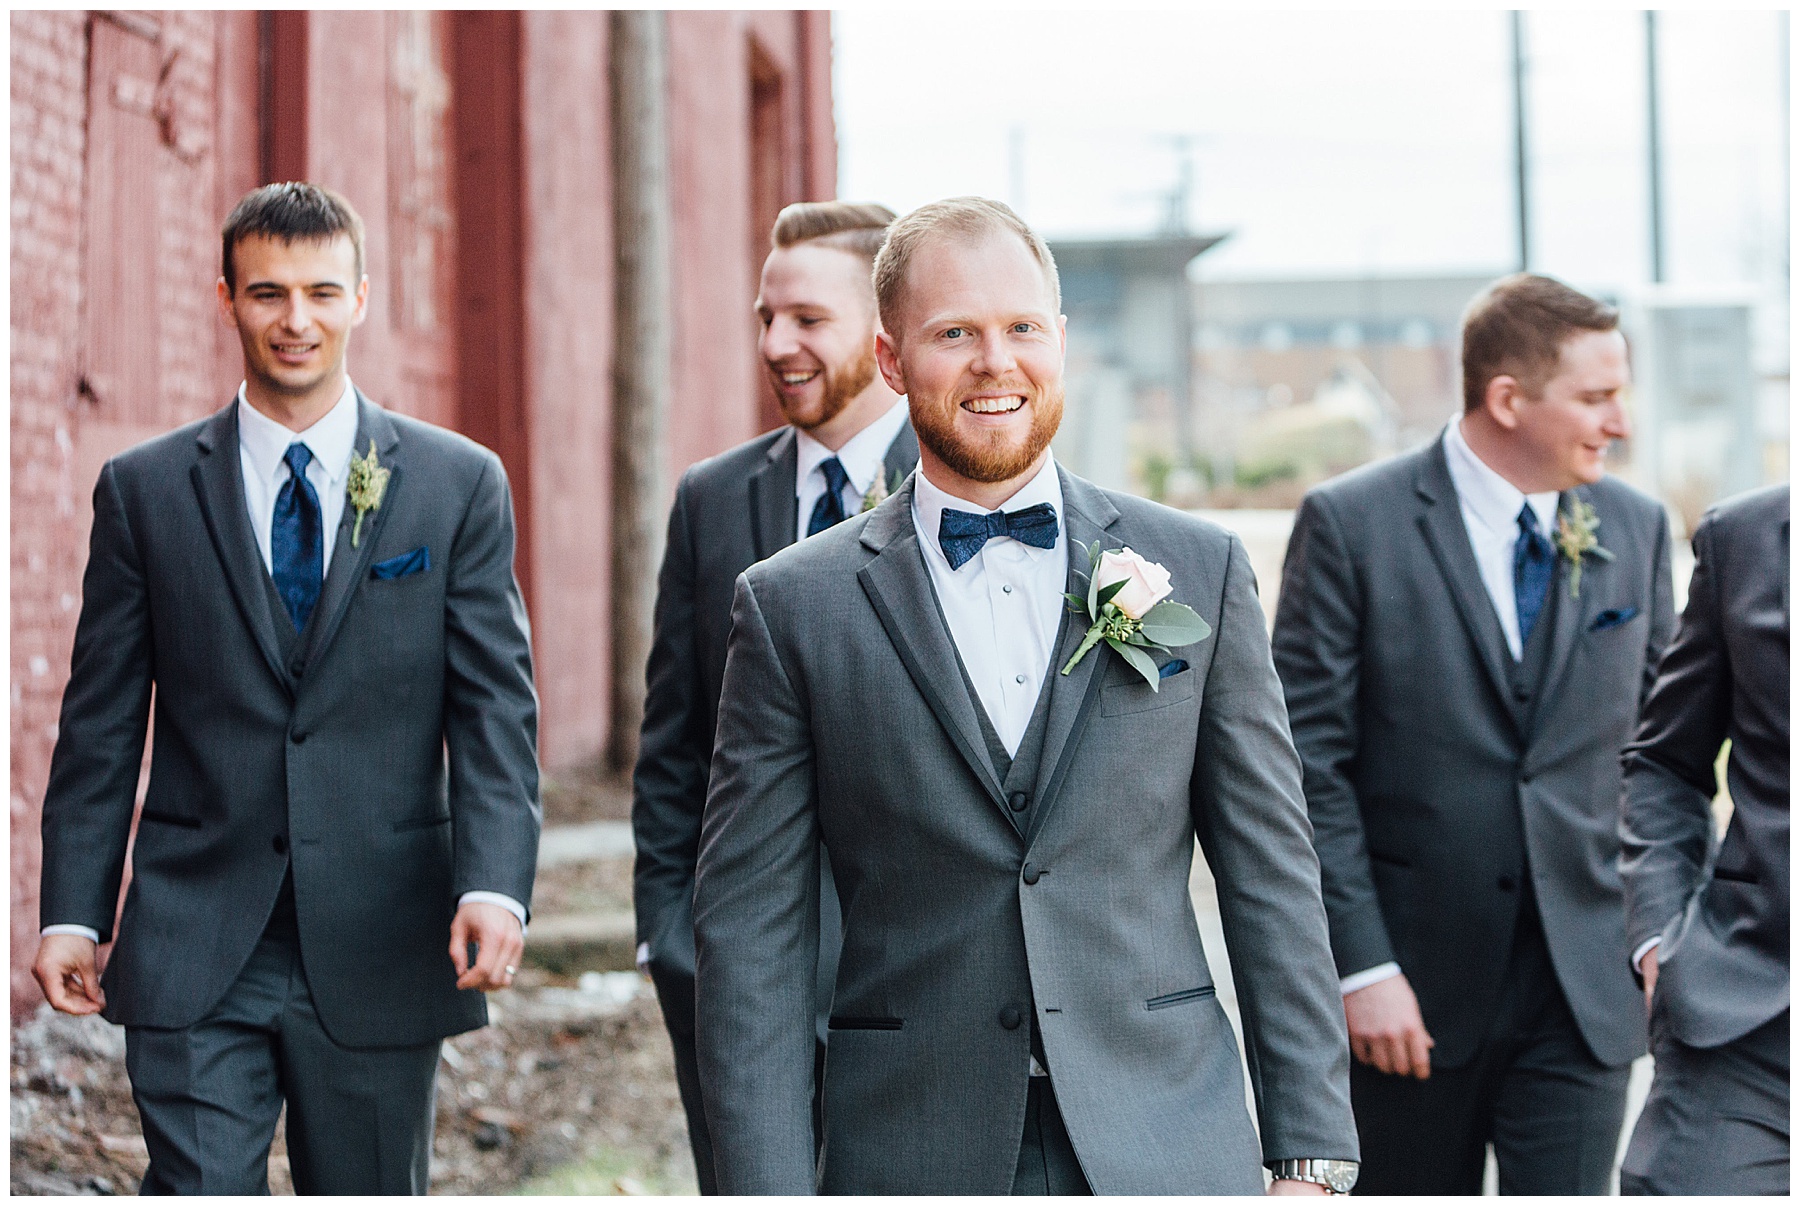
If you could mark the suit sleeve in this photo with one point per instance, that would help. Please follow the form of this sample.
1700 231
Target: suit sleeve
668 787
1318 638
490 705
756 921
100 736
1665 821
1250 816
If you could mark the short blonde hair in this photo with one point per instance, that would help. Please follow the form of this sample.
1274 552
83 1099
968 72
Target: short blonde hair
847 226
964 217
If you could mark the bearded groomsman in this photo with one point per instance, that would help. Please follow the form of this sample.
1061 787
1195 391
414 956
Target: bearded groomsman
846 443
1465 633
1022 1002
343 786
1710 922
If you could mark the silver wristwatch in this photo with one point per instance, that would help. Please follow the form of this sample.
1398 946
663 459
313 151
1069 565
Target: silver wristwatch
1337 1176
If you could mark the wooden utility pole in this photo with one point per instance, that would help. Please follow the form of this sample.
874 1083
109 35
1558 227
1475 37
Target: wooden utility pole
642 351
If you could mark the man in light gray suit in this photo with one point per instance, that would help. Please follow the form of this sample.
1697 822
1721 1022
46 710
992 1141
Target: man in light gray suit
1022 1002
343 786
1709 921
1464 636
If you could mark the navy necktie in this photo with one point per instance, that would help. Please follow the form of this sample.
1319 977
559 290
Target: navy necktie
830 507
962 534
1534 565
297 539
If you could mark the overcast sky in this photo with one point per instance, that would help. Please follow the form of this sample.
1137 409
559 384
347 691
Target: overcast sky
1334 143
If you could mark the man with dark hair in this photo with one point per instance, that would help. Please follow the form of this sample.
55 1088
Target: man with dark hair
1010 809
1709 921
340 833
847 443
1464 635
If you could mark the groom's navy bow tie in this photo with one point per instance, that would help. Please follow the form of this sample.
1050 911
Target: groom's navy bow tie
962 533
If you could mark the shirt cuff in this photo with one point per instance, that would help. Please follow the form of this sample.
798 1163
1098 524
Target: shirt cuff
80 931
1373 975
643 957
1637 956
495 898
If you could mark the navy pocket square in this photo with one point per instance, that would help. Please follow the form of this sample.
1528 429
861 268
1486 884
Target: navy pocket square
415 562
1171 668
1612 617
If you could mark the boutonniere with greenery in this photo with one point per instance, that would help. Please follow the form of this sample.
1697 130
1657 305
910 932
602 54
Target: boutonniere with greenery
368 482
1577 528
882 487
1127 607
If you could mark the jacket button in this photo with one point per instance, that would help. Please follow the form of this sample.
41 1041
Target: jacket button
1031 873
1018 801
1506 883
299 736
280 843
1010 1017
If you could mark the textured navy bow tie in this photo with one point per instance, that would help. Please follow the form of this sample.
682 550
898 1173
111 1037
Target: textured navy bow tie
962 533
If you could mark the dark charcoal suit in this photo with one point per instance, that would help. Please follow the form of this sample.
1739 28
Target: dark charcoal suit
730 511
981 907
1466 818
1717 1117
324 795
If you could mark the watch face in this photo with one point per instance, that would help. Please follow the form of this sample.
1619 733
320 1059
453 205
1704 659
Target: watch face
1338 1175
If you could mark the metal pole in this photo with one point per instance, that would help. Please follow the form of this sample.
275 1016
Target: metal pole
1520 178
642 351
1655 139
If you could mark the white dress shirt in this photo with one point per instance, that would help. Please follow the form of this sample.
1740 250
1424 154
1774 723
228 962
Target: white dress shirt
1490 510
1005 604
863 456
262 456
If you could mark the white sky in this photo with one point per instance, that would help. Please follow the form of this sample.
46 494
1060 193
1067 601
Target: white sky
1335 143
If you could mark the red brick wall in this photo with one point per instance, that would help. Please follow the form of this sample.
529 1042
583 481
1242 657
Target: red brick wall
371 87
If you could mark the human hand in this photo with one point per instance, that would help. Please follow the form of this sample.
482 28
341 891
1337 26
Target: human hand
1386 1029
66 971
1648 966
499 945
1294 1188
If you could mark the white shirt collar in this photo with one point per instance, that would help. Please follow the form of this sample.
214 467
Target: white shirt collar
1488 498
331 440
929 504
863 455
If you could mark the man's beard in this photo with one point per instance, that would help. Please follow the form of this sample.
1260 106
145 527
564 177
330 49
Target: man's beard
989 456
842 384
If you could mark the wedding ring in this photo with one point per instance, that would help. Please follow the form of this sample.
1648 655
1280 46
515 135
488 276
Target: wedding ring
512 971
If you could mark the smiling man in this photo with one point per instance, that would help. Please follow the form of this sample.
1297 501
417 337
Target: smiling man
340 833
1465 634
846 441
1022 1003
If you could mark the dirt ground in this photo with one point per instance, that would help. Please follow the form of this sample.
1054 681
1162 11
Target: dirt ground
571 1090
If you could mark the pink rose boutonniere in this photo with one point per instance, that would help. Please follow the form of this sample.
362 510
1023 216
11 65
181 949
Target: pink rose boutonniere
1127 606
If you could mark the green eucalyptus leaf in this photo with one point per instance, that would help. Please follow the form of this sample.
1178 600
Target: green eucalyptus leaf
1603 554
1108 593
1175 625
1077 603
1138 660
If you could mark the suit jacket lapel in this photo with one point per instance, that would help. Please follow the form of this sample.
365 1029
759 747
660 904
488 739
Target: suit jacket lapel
902 454
1087 514
1572 615
219 482
899 588
1447 536
350 564
772 505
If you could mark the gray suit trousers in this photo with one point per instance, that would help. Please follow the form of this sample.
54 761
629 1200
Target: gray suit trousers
209 1095
1716 1121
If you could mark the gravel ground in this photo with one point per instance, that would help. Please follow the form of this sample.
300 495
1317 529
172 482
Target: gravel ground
571 1090
589 794
600 886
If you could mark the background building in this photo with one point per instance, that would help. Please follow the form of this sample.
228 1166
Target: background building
477 147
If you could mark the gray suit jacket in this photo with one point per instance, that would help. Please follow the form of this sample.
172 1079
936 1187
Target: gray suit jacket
386 753
1432 790
730 512
1722 910
844 717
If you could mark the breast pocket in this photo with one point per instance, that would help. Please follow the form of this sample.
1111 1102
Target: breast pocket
1126 696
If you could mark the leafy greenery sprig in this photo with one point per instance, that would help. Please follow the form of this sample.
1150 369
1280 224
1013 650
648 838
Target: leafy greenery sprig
1163 627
